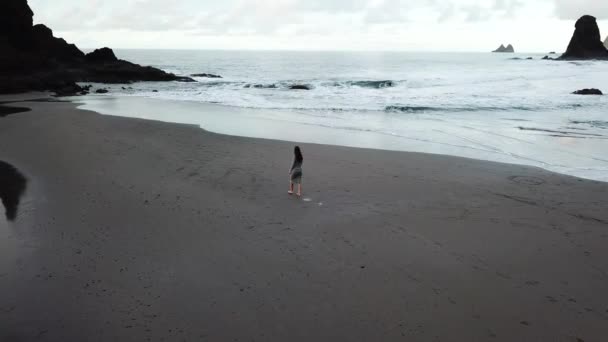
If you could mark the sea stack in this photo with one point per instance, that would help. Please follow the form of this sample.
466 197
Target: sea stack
32 59
503 49
586 43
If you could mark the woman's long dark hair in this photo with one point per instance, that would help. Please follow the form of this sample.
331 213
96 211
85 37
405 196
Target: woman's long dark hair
298 154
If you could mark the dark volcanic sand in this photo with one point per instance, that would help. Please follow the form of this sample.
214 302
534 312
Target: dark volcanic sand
136 230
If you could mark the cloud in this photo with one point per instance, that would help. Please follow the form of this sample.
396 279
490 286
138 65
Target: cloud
463 25
260 16
574 9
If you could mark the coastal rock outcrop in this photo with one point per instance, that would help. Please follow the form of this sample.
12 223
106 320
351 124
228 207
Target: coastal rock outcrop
32 59
16 19
103 55
300 87
606 43
591 91
70 89
586 41
54 49
261 86
503 49
206 75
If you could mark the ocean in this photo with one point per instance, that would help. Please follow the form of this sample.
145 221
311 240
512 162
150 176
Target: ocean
476 105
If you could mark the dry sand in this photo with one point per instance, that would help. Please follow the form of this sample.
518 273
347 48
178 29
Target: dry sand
134 230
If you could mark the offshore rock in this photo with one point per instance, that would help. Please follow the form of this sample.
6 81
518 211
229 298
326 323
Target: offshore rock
586 42
503 49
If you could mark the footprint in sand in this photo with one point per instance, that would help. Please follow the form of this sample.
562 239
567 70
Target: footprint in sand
526 180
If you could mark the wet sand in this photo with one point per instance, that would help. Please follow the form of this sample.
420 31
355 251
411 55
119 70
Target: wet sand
133 230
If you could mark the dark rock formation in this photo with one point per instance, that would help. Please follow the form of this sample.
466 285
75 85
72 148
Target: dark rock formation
101 91
206 75
16 20
508 49
501 48
586 42
591 91
124 72
84 90
261 86
32 59
70 89
372 84
552 53
54 49
529 58
103 55
300 87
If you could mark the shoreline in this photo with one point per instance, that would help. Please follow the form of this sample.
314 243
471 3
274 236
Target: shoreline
133 229
517 143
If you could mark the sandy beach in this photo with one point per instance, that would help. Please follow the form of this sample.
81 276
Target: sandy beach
134 230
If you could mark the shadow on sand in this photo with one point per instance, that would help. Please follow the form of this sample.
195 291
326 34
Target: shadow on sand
12 187
8 110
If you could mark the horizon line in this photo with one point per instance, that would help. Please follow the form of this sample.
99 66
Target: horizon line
323 50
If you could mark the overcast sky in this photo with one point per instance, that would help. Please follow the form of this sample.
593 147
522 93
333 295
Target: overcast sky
411 25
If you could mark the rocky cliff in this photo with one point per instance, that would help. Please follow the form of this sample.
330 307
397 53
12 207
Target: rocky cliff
32 59
586 42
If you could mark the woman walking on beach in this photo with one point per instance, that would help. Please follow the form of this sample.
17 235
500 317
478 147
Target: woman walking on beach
295 172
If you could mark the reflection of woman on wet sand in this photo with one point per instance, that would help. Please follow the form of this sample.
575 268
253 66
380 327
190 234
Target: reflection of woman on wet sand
12 187
296 171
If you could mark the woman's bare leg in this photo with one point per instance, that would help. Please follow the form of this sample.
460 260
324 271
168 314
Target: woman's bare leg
290 188
300 189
